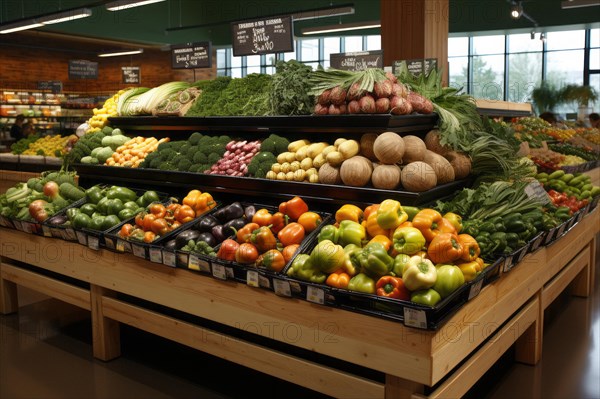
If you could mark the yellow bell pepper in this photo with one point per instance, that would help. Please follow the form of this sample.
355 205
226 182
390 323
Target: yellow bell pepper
349 212
470 270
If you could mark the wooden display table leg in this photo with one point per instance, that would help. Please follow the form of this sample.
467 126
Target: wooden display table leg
9 302
399 388
528 348
583 283
105 332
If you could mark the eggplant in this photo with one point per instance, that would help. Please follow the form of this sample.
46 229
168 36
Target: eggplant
206 224
59 220
229 212
171 244
249 212
185 236
207 238
235 224
220 233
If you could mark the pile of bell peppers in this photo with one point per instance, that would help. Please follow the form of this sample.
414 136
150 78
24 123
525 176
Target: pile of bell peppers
394 251
270 239
160 219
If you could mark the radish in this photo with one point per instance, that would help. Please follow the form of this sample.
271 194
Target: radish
354 93
337 96
321 109
382 105
334 110
398 89
383 89
353 107
367 104
324 97
393 78
400 106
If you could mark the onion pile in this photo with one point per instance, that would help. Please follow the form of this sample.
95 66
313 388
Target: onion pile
236 159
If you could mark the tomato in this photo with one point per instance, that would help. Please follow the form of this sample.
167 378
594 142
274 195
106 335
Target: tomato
139 219
126 230
149 236
160 226
158 210
147 222
185 214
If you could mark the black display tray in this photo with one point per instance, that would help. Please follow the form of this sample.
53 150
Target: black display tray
300 123
249 186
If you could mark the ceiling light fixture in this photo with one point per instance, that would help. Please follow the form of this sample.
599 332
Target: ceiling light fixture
543 36
17 26
516 10
124 4
118 53
341 27
64 16
578 3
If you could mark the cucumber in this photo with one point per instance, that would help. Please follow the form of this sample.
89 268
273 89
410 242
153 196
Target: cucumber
595 191
585 194
587 187
557 174
567 177
541 176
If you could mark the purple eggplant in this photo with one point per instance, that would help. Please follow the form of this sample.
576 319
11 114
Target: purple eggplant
207 238
219 232
171 244
206 224
230 212
184 237
249 212
234 225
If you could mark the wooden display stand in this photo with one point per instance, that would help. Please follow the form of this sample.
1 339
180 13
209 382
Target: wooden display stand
508 311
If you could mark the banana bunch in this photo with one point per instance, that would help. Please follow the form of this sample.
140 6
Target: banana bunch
109 108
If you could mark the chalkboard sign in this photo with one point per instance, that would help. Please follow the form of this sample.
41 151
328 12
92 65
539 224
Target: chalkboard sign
263 36
55 86
418 66
82 69
357 61
191 55
131 74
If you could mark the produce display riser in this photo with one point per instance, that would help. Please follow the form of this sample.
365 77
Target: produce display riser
440 363
28 167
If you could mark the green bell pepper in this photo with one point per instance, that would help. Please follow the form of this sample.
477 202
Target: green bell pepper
408 240
411 211
429 297
122 193
329 232
400 262
351 232
114 206
94 194
487 227
96 223
328 257
420 273
102 205
375 260
362 283
147 198
71 213
498 242
303 269
512 240
471 227
390 214
81 221
449 279
131 205
515 223
110 221
126 213
88 209
352 264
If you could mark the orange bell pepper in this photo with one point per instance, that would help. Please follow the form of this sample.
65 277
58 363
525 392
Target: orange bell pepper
349 212
289 251
293 233
245 233
470 247
294 208
272 260
264 239
246 253
444 248
373 228
383 240
278 222
431 223
200 202
310 221
262 217
369 210
338 279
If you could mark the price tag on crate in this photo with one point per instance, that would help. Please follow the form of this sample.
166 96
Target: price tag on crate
195 263
69 234
121 245
139 251
415 318
82 238
537 191
47 232
156 255
507 264
282 288
27 227
316 295
252 278
93 243
18 225
169 259
475 289
218 271
229 272
264 282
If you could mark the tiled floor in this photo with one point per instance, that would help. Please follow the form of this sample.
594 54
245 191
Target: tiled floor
45 352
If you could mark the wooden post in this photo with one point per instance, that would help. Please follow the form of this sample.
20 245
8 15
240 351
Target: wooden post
9 301
399 388
105 332
415 29
528 348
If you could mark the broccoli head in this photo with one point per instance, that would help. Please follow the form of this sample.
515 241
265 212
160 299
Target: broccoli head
260 172
195 168
224 139
155 163
281 144
195 138
164 146
199 158
167 166
252 168
213 158
176 145
168 154
184 165
184 149
204 167
268 145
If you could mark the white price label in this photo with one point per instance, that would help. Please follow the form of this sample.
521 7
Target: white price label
537 191
252 278
475 289
264 282
195 263
139 251
415 318
282 287
82 238
156 255
120 246
169 259
218 271
47 231
316 295
93 243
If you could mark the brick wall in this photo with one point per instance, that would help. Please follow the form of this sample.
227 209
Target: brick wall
26 60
